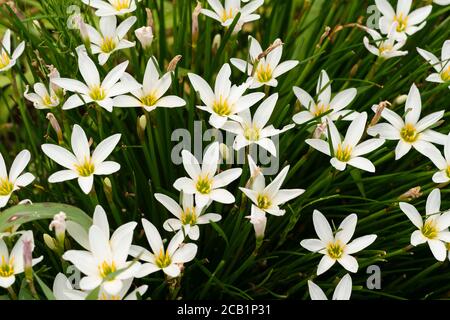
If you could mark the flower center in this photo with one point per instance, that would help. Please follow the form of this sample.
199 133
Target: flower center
221 107
108 44
4 60
227 14
385 48
321 109
7 269
252 133
264 73
105 296
120 4
335 250
85 169
402 22
429 229
343 154
263 202
97 93
149 100
189 216
448 171
163 259
6 187
204 185
106 269
445 75
409 133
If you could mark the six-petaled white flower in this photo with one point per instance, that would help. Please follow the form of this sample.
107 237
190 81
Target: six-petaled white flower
151 95
203 181
325 107
342 291
348 151
434 230
226 100
111 7
441 162
14 180
267 68
81 164
42 97
385 48
442 66
8 58
336 247
411 132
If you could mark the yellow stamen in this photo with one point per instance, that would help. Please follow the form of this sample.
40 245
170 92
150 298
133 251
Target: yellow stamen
445 75
448 171
264 73
7 268
120 4
4 60
163 259
321 109
263 202
402 22
227 14
97 93
221 107
189 216
252 133
6 187
149 100
385 48
204 185
429 229
106 269
335 250
409 133
343 154
85 169
108 44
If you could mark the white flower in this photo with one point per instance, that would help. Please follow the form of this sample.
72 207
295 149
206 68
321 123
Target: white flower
325 108
226 100
411 132
441 66
269 198
268 68
63 290
13 263
226 14
253 131
59 224
106 256
203 181
434 230
81 164
145 36
111 7
441 162
152 93
94 90
15 179
336 247
408 22
188 217
384 48
7 58
169 260
442 2
110 38
42 98
342 291
349 151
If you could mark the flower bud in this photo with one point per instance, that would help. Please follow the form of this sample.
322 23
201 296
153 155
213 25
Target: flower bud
53 74
49 241
141 125
173 63
55 125
195 29
216 43
59 225
400 99
145 36
107 187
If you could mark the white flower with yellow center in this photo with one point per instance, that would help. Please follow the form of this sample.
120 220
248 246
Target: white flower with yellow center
42 97
154 87
226 14
203 181
267 68
342 291
63 290
94 90
15 179
188 217
105 263
442 66
411 132
325 107
8 59
434 230
169 260
408 22
268 199
110 38
13 263
111 7
226 100
254 131
441 162
348 151
336 246
385 48
81 164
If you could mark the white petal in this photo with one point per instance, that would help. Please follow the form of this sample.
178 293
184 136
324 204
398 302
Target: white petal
412 213
360 243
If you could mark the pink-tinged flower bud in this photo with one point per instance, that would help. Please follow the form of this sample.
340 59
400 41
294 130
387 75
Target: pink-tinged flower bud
259 221
173 63
55 125
195 29
53 74
79 22
145 36
59 225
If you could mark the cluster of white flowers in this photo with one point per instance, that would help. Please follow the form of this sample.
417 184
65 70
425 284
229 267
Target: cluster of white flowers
104 260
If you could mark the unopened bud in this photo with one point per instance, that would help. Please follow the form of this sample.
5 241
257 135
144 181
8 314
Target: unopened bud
58 224
53 74
107 188
216 43
195 29
49 241
79 22
320 130
55 125
173 63
150 22
145 36
141 125
400 99
411 194
379 111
